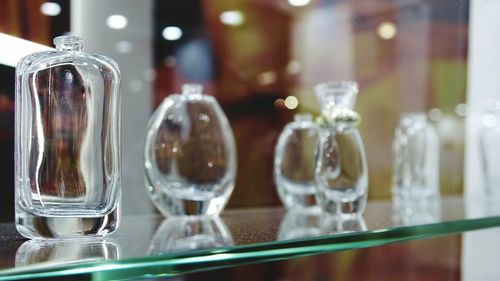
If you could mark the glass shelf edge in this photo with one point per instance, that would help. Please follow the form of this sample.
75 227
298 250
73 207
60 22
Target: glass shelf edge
183 263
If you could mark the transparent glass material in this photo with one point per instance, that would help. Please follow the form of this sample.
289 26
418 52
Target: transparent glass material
67 252
147 243
341 168
67 143
415 158
294 162
184 233
334 224
489 140
416 210
301 223
190 155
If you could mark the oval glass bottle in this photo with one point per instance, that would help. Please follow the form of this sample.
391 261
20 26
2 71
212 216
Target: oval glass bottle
341 169
67 148
190 155
294 162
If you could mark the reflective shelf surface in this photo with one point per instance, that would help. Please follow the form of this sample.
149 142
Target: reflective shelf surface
154 246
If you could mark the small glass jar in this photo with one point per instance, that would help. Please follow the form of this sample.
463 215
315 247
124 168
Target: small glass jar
415 158
294 162
67 143
190 155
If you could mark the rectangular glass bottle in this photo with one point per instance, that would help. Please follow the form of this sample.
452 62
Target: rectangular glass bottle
67 143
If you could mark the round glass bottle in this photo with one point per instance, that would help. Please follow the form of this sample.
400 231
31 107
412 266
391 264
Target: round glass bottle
190 155
67 148
294 162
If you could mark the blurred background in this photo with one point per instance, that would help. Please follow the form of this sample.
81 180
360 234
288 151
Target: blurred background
260 59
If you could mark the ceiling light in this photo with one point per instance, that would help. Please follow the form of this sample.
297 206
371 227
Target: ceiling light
387 30
267 77
172 33
150 74
293 67
299 3
117 22
291 102
135 85
233 18
123 47
14 48
50 9
435 114
279 103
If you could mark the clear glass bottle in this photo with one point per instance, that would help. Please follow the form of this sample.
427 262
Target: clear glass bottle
67 149
489 144
294 162
341 169
415 170
190 155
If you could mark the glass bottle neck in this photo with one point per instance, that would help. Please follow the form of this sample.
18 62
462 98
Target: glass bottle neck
69 43
336 95
192 89
302 117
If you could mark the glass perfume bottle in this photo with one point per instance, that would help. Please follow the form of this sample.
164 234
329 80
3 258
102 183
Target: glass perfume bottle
341 169
190 155
294 162
415 170
67 148
489 145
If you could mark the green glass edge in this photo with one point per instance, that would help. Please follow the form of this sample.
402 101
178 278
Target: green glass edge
194 261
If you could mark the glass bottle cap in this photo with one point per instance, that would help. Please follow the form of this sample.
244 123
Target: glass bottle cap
69 43
192 88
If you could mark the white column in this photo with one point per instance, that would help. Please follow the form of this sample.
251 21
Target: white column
88 19
481 250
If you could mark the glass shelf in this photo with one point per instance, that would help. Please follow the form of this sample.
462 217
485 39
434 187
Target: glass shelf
152 246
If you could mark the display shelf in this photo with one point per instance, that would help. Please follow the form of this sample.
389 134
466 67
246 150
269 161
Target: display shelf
151 246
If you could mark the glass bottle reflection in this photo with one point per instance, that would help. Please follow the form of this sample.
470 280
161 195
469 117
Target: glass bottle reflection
65 252
336 224
300 223
67 148
184 233
417 209
341 169
294 162
190 156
